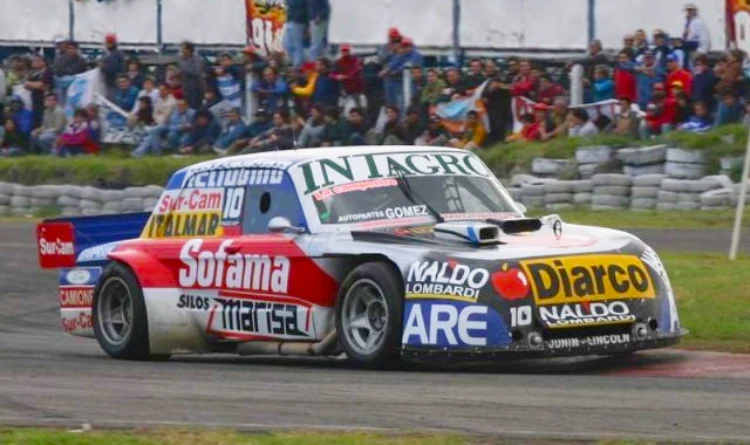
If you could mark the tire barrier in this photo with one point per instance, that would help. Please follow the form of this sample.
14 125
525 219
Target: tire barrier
71 200
611 191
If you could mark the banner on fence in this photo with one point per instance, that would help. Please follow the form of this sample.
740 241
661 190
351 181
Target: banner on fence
78 91
265 24
114 122
455 112
523 105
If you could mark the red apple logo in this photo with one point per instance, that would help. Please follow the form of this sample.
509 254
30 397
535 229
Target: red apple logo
511 284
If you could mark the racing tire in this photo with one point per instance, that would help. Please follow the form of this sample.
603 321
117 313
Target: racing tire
119 286
370 301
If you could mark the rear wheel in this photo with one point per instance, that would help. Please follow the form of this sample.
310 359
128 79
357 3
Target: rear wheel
119 311
369 315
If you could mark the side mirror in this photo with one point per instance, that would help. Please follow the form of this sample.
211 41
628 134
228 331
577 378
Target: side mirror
521 207
279 224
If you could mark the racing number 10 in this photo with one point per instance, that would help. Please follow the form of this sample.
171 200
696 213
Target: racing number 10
520 316
233 203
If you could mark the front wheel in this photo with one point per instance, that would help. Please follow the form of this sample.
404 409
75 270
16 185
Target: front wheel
119 310
369 315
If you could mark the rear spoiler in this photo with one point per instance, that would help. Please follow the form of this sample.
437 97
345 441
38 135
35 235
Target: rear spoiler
60 240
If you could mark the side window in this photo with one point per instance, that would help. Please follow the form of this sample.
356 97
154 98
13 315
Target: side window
270 193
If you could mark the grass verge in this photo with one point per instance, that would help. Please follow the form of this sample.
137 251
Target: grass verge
627 219
712 294
212 437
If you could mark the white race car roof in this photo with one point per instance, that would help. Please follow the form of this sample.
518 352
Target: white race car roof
285 159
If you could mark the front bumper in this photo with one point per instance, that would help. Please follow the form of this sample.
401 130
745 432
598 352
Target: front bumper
521 350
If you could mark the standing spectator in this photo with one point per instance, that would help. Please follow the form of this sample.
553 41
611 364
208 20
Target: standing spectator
297 18
321 87
695 35
700 121
254 62
730 109
22 116
624 77
524 84
548 90
626 120
39 82
164 105
628 46
581 125
357 127
490 69
135 73
390 49
640 44
393 74
433 89
476 76
3 89
202 134
228 80
312 130
320 14
349 72
69 62
75 136
675 73
53 123
176 131
678 51
473 134
271 90
732 75
125 94
12 141
191 75
417 85
498 101
603 88
648 75
594 58
704 83
435 135
661 48
113 63
19 72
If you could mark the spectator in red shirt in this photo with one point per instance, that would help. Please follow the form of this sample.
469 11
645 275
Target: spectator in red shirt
675 73
348 71
625 81
660 114
547 90
529 131
524 83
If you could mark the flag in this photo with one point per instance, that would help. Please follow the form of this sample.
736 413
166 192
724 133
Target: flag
454 113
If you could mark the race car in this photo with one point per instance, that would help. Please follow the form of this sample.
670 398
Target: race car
385 254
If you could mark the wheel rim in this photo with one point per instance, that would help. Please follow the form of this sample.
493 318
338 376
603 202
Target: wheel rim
115 311
365 316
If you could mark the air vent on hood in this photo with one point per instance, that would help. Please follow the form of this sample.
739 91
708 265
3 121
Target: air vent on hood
474 233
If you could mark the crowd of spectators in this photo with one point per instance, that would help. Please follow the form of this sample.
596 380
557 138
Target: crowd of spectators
302 98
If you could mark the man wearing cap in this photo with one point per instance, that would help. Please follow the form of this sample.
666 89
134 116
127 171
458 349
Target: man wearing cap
349 72
675 73
390 49
113 63
695 35
393 72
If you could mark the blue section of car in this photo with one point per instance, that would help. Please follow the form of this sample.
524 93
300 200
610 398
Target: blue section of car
472 235
80 276
450 324
91 231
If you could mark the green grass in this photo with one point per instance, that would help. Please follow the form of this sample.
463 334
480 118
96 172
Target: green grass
209 437
627 219
712 296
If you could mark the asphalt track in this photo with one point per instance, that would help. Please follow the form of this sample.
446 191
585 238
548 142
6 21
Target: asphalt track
50 378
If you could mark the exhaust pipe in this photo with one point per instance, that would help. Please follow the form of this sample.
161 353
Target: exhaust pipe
287 347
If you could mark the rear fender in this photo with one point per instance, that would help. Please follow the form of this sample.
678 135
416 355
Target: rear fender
149 270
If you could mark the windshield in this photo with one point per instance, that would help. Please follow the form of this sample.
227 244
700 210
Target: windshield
382 201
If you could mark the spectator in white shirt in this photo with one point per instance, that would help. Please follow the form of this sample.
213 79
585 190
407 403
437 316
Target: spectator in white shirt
581 125
696 35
